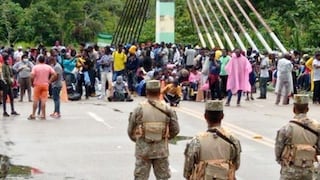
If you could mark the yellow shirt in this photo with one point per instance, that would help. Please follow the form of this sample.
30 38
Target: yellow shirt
171 89
119 60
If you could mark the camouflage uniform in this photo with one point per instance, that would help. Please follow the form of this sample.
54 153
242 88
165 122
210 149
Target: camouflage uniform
152 153
209 146
295 134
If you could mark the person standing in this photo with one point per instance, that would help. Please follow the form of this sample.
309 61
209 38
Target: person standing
190 53
119 61
214 78
224 59
56 87
132 65
238 70
105 63
284 86
24 68
151 125
316 78
205 71
7 74
297 143
164 54
264 77
216 149
40 81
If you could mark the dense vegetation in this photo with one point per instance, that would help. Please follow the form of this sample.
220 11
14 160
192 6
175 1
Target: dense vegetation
296 22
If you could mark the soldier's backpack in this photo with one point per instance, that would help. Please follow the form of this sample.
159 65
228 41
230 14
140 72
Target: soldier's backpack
215 169
155 131
300 155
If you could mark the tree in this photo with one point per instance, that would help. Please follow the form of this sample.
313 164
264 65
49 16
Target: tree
40 24
10 14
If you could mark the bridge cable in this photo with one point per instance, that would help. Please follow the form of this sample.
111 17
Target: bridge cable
271 33
259 35
216 35
143 18
120 24
246 35
204 25
235 34
139 12
225 34
124 19
132 20
203 43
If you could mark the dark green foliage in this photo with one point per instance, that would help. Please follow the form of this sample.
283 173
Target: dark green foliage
296 22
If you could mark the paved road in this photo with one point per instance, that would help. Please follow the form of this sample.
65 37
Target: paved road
90 142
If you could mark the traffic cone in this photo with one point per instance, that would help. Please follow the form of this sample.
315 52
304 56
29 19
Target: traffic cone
64 94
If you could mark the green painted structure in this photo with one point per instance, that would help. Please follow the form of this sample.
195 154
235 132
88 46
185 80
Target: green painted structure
165 21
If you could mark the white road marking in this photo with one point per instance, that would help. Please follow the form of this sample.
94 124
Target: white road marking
99 119
236 129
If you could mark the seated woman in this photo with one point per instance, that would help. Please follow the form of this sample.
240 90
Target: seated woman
120 91
172 93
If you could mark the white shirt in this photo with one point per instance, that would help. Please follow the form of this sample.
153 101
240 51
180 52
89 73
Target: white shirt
17 55
264 70
316 71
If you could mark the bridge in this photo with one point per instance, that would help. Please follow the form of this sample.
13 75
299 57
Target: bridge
218 23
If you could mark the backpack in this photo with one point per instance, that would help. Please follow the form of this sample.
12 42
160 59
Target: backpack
300 155
156 131
213 169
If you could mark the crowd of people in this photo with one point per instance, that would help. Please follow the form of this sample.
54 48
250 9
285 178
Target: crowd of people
186 72
175 73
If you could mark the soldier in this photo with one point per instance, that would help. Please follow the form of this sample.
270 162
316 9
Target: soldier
151 125
214 154
297 143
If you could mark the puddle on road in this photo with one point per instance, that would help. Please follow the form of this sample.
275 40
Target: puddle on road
179 138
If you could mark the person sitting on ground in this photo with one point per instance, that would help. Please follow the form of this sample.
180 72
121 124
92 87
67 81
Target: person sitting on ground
120 90
172 93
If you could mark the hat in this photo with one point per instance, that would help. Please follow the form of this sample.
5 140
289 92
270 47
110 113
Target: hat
214 105
133 49
301 98
153 85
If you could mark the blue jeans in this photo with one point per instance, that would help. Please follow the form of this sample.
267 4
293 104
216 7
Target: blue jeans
230 96
56 98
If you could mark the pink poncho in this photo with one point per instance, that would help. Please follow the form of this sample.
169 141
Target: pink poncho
238 69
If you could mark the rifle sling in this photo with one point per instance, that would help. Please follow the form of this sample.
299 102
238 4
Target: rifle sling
223 137
155 106
305 127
